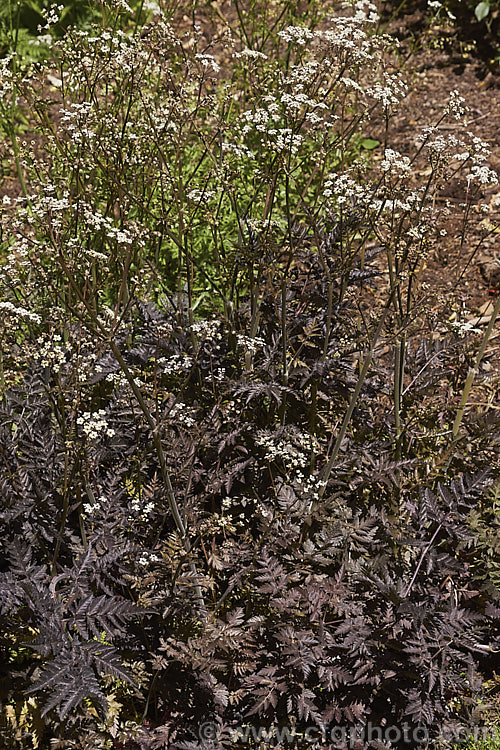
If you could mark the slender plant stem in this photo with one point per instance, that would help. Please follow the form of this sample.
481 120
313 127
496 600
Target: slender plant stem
172 501
399 363
419 565
473 370
354 398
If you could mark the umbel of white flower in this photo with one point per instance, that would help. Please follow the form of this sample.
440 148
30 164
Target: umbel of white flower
94 424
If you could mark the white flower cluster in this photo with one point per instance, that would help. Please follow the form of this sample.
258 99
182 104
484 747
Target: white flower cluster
351 84
182 414
83 137
259 118
251 345
309 488
314 119
52 352
301 75
208 330
121 51
283 449
474 149
366 11
474 152
298 100
94 254
464 327
175 363
435 6
220 522
89 366
94 218
479 149
6 76
121 5
19 312
346 191
227 502
395 163
390 93
93 508
147 558
208 62
118 378
440 145
456 105
51 16
75 120
143 509
284 110
263 120
94 424
419 232
284 139
49 205
238 150
427 132
296 34
162 121
347 42
197 196
95 221
229 505
219 374
389 205
121 236
483 175
250 53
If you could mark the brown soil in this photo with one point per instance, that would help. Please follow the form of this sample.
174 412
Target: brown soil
466 275
432 75
464 278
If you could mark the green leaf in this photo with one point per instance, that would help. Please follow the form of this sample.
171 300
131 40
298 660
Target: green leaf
481 11
369 143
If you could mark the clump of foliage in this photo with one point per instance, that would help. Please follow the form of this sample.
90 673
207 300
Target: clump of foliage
230 496
490 743
283 591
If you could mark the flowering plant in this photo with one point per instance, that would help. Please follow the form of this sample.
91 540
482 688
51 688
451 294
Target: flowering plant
228 487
